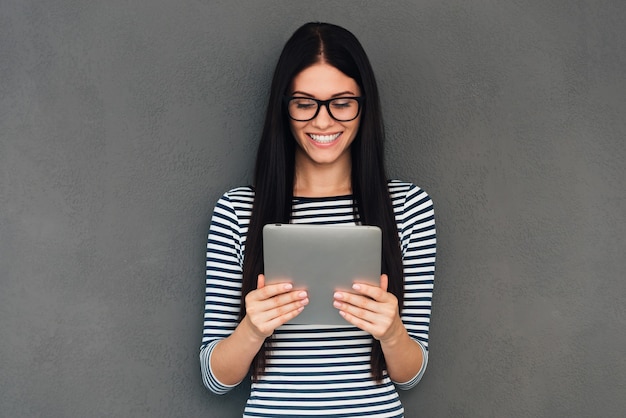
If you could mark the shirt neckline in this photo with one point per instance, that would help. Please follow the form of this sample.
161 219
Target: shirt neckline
322 198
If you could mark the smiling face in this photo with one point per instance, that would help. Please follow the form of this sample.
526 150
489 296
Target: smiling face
324 141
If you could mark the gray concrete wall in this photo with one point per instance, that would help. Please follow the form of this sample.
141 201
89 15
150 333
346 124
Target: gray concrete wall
122 122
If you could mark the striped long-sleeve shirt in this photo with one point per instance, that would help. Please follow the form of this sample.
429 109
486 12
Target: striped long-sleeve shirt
317 370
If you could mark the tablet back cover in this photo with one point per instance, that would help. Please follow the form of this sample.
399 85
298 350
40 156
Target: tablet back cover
321 259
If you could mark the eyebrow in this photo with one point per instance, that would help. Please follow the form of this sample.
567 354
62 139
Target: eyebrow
343 93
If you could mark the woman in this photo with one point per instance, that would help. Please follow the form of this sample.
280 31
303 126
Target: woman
320 160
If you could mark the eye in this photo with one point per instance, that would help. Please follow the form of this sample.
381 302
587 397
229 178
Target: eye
343 103
302 103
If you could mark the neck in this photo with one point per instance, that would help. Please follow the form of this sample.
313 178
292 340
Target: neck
319 180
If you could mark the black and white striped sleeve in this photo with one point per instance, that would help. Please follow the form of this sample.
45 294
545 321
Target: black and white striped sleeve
224 260
418 243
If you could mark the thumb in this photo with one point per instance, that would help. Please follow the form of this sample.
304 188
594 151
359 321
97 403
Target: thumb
260 281
384 282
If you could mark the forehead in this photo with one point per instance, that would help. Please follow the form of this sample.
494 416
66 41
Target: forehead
323 81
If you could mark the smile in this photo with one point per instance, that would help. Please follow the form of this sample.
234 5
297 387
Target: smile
324 139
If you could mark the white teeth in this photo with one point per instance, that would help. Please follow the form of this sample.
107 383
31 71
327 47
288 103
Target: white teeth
324 139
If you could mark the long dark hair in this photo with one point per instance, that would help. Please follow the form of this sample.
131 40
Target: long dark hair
274 172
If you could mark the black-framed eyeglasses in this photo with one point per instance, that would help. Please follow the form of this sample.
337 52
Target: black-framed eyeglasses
342 109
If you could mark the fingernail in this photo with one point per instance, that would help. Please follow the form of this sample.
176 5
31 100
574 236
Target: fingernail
288 286
302 294
356 286
304 301
338 295
336 304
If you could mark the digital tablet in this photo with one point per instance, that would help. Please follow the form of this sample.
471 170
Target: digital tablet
321 259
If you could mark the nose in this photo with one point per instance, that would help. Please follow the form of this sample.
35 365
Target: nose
323 119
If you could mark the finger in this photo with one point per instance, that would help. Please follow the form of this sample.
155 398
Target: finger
293 297
366 307
285 317
374 322
287 309
370 290
357 322
268 320
271 290
363 311
260 283
377 330
266 307
352 299
384 282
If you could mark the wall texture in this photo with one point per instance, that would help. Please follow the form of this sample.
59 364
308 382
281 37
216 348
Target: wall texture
122 122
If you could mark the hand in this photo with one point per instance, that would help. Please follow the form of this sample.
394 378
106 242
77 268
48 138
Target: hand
268 307
372 309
